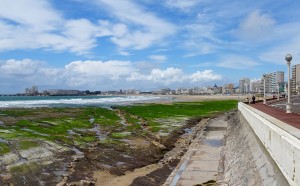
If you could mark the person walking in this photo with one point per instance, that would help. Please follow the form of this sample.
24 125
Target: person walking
253 99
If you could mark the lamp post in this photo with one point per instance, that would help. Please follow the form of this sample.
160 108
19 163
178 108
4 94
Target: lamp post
264 89
278 85
288 59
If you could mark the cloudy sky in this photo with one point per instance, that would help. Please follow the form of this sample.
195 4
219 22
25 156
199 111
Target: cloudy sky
143 44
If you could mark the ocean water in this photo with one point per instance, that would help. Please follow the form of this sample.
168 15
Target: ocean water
72 101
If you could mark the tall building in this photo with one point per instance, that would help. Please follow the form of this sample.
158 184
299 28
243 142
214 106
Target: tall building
273 80
256 86
244 85
295 83
31 91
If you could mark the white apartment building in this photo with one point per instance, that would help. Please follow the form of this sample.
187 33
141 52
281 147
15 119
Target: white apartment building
273 80
295 83
244 85
256 86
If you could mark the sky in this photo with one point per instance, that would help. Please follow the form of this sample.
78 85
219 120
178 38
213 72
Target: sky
143 44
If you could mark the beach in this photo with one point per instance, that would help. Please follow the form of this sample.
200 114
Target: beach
119 144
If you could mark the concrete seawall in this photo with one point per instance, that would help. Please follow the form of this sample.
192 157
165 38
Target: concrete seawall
241 158
281 141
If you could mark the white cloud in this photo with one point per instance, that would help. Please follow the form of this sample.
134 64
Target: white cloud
37 15
158 57
97 75
31 24
110 69
286 41
182 5
200 39
174 75
237 62
206 75
19 68
123 53
257 26
139 29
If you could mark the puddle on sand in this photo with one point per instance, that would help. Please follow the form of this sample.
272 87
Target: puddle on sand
101 135
188 131
213 142
92 120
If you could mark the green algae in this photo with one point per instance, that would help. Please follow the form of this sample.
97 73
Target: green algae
4 148
152 112
25 167
27 144
73 126
120 135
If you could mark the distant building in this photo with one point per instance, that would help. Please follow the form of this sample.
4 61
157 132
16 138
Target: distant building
182 91
131 91
165 91
295 83
217 90
32 91
273 80
60 92
244 85
228 89
256 86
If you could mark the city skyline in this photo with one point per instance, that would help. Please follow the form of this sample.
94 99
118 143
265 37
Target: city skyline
102 44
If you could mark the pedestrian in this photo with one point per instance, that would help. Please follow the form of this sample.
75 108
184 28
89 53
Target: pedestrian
253 99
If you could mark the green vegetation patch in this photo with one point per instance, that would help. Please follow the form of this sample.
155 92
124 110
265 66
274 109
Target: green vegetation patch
25 167
17 112
69 126
152 112
27 144
56 124
4 148
184 109
120 135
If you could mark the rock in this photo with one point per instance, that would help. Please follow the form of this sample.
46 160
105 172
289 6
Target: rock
63 182
5 177
159 145
82 183
158 136
8 159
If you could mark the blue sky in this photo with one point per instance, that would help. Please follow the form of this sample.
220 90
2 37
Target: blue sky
143 44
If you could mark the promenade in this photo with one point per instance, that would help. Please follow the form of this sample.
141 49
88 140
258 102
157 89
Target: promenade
277 110
201 163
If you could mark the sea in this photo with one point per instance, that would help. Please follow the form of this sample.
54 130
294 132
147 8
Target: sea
74 101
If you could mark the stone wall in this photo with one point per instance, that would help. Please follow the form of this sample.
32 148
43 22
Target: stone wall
246 161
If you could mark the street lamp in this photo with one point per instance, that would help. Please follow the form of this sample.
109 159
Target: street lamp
264 88
278 85
288 59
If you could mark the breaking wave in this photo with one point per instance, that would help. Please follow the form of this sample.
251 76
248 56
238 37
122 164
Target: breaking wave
29 102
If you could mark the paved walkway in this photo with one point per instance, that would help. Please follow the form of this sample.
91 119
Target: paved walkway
200 164
292 119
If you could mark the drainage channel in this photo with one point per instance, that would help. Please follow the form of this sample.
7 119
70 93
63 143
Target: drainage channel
200 164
